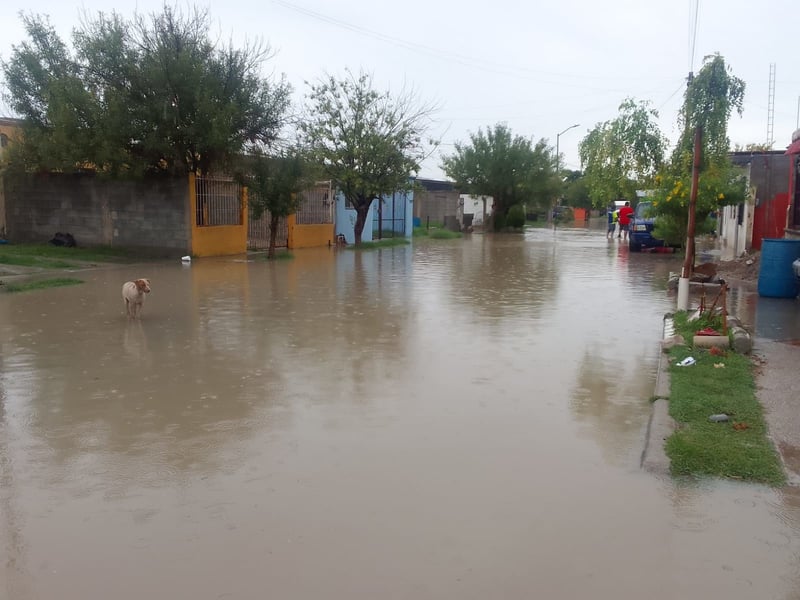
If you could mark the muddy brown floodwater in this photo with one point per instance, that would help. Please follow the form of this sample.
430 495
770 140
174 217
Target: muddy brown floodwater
457 419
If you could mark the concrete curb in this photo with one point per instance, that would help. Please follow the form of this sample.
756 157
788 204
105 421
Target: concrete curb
661 425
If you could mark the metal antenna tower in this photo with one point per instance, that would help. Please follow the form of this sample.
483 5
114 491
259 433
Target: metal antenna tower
771 107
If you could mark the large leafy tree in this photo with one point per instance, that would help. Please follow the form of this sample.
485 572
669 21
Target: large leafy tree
367 142
508 167
709 101
154 93
623 154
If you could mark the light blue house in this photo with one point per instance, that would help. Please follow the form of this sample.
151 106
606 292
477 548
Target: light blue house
391 216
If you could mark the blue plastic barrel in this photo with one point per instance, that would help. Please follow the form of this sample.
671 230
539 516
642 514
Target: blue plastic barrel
776 277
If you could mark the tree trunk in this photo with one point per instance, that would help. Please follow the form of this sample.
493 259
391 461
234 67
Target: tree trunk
361 219
273 232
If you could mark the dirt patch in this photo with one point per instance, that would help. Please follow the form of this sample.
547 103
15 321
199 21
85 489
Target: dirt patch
741 269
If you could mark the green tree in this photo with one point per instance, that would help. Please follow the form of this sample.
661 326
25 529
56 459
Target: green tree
274 185
753 147
367 142
151 94
505 166
516 216
44 86
709 100
576 192
622 155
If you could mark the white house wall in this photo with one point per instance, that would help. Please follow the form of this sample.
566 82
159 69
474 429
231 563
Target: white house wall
473 205
736 239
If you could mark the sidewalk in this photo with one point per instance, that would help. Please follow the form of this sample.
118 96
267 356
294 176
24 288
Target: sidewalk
778 390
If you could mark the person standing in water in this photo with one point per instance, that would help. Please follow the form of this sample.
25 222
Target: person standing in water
625 220
612 222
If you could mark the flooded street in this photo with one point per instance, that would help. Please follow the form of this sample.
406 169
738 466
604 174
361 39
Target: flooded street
453 419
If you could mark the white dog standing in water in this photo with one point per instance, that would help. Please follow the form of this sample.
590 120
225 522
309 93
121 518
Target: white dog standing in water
133 293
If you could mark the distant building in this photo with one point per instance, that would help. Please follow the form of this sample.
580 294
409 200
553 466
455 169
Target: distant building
763 215
10 129
793 210
434 200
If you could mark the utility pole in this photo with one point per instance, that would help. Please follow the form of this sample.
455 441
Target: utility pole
688 262
558 156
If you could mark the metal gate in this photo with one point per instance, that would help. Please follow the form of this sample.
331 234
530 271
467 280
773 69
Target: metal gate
258 232
389 218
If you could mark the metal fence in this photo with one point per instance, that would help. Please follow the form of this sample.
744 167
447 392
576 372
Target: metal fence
219 201
316 208
258 232
389 218
316 205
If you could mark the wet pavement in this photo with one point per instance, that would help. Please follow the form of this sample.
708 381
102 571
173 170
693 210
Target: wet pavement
457 419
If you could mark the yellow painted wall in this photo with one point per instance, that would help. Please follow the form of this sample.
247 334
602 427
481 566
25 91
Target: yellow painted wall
217 240
309 236
11 129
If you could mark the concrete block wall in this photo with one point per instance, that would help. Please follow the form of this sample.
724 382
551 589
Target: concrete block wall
435 205
151 213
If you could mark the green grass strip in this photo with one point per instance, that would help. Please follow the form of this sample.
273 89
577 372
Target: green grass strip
40 285
380 244
701 447
47 256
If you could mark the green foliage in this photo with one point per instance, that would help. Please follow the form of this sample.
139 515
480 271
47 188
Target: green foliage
753 147
710 99
687 329
46 256
275 182
701 447
154 94
576 193
516 217
377 244
41 284
368 143
505 166
274 185
623 154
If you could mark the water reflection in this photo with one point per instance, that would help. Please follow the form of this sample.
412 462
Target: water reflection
612 406
437 418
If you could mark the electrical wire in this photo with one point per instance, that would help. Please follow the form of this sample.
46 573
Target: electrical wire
464 60
693 32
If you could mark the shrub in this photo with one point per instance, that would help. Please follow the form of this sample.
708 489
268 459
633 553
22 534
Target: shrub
516 216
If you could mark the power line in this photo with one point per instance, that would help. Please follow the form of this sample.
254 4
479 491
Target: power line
464 60
693 33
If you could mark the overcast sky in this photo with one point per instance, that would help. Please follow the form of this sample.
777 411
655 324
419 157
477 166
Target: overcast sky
540 66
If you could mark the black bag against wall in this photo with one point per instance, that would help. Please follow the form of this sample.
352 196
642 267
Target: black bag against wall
63 239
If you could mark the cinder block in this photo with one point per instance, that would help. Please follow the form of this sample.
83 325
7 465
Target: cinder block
711 341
